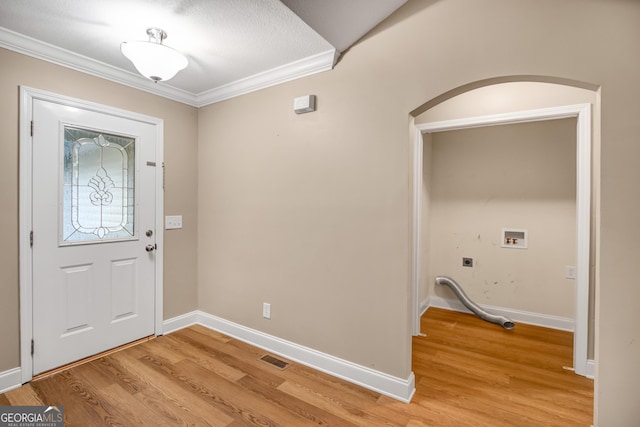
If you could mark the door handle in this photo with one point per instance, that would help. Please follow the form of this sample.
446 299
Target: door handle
150 248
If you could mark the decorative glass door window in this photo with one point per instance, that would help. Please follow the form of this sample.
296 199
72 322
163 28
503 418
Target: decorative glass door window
99 187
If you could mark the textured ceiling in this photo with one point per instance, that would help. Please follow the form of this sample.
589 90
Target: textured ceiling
233 46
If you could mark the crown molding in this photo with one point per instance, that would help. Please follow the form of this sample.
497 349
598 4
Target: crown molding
320 62
47 52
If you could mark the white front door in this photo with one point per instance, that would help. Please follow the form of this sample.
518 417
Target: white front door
94 236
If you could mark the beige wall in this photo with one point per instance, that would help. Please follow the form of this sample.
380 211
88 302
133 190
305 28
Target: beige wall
311 213
180 143
299 212
520 176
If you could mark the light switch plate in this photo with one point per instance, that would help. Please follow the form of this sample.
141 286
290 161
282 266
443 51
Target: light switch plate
266 310
172 222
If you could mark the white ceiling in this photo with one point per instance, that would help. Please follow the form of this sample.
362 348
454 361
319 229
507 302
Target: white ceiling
233 46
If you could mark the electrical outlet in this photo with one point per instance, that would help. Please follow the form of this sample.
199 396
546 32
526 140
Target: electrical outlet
266 310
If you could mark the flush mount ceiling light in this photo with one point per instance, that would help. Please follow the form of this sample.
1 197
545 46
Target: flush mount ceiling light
152 59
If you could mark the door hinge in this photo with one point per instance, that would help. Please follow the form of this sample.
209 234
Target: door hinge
32 347
31 127
31 238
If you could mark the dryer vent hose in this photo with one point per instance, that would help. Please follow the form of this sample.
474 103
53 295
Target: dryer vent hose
475 308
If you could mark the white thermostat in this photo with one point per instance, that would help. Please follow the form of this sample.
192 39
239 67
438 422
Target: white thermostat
304 104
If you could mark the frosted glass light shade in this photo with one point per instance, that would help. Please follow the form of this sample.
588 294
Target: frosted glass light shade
154 60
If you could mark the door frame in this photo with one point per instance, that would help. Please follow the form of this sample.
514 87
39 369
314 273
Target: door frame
27 97
583 207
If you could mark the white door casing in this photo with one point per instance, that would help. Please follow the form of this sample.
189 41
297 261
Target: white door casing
583 207
79 298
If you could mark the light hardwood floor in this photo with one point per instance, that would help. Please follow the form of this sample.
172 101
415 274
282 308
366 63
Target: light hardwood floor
468 373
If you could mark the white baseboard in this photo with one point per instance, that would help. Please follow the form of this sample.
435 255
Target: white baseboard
537 319
394 387
380 382
591 369
424 306
10 379
179 322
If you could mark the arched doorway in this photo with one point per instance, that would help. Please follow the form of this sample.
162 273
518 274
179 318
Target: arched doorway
516 102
